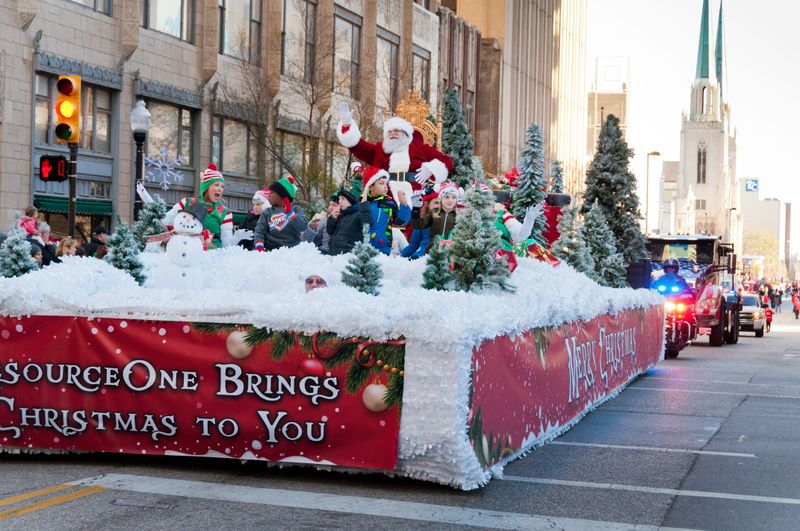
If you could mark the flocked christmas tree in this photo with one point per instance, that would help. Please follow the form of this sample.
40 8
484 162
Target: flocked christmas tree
123 252
456 139
149 222
475 242
437 274
15 253
556 178
531 183
609 268
363 272
570 246
613 186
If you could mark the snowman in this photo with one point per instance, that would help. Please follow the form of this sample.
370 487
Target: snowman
184 250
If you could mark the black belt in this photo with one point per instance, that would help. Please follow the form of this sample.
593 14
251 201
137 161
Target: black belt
407 176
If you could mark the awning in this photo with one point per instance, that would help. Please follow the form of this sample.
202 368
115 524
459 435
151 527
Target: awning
60 205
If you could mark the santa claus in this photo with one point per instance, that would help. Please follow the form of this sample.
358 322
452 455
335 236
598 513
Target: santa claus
403 152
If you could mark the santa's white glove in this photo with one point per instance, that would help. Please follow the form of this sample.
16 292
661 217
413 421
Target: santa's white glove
345 114
143 193
423 174
241 234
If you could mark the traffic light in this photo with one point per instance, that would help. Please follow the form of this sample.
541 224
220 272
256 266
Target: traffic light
68 108
53 168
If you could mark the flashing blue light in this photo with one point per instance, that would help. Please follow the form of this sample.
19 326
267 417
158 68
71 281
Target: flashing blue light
675 289
662 288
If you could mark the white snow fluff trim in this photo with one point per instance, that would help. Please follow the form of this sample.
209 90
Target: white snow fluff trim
351 137
380 174
395 122
400 160
437 168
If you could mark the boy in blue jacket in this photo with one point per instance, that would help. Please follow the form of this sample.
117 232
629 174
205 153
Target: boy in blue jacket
381 211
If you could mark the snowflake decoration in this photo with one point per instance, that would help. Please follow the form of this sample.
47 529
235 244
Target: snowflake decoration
161 169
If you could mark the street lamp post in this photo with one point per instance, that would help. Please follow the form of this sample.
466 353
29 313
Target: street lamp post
140 124
647 192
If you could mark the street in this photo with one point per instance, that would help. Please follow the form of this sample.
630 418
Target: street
704 441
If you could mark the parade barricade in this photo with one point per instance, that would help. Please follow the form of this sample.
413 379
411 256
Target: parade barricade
450 414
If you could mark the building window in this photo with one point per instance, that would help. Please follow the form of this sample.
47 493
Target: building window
699 204
101 6
424 3
701 164
171 129
95 119
234 148
421 69
299 39
42 112
347 47
386 69
240 29
173 17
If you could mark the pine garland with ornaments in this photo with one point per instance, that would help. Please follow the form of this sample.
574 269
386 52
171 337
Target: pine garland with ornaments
374 368
123 252
15 253
476 243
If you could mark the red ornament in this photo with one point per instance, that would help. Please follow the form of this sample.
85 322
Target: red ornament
312 367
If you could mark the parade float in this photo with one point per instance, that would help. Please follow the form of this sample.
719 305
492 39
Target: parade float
244 363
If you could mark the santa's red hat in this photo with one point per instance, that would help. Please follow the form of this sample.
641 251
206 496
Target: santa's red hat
372 174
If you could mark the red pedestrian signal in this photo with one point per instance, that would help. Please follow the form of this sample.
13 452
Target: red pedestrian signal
68 108
53 168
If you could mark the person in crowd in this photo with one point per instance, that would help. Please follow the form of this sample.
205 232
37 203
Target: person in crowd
219 221
28 221
36 254
99 237
283 222
796 306
42 240
67 247
768 316
420 238
310 234
102 251
383 211
441 221
260 201
346 225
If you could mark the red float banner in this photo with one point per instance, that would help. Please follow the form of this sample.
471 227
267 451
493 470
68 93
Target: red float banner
534 385
216 390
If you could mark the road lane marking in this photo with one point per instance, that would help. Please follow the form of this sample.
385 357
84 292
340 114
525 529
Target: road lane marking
718 382
654 449
361 505
642 388
51 502
655 490
33 494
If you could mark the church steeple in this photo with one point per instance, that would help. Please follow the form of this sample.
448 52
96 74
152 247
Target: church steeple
703 48
718 51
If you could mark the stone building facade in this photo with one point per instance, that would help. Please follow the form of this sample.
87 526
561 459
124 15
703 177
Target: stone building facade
196 63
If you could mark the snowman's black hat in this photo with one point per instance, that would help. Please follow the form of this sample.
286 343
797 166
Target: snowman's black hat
197 210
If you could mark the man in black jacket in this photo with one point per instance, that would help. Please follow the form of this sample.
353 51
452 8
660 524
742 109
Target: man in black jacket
347 227
99 237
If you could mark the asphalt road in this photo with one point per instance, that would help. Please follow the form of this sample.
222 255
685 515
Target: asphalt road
705 441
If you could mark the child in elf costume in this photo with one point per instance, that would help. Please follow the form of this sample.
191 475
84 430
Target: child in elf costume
381 211
219 221
282 224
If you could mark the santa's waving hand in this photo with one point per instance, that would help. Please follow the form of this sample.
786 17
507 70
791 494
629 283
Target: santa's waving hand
403 152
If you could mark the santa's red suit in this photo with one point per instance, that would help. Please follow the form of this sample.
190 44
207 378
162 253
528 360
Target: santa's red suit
413 155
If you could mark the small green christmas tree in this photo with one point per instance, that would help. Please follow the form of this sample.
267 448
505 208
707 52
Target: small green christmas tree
123 252
437 274
557 178
609 268
363 272
15 253
570 246
531 183
149 223
475 242
456 139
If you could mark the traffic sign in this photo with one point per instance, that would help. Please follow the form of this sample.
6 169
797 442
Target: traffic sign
53 168
751 185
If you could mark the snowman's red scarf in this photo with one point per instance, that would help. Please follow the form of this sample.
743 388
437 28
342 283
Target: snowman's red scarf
165 236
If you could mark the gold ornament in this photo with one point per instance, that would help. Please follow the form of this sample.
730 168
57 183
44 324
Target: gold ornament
373 397
237 348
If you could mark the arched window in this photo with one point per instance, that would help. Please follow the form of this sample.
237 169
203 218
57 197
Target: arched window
705 101
701 164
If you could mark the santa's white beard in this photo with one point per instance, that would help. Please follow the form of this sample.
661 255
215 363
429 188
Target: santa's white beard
393 145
